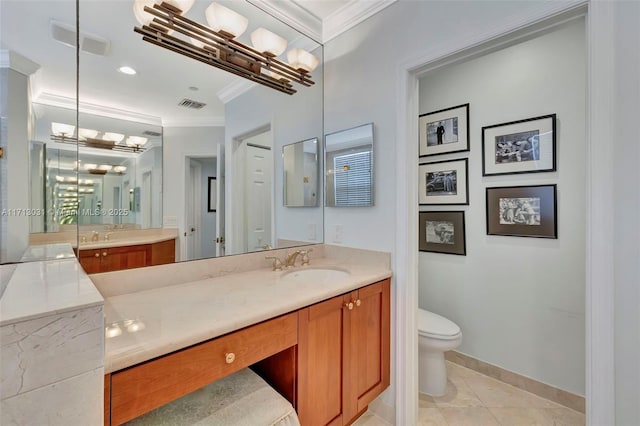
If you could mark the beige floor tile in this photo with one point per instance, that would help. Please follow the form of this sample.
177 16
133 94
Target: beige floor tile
458 394
521 416
426 401
494 393
469 416
430 417
564 416
456 370
370 419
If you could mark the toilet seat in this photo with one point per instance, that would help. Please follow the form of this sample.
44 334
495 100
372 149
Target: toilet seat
436 326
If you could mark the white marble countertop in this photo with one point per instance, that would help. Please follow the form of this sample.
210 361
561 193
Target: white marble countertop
161 320
125 241
37 289
48 252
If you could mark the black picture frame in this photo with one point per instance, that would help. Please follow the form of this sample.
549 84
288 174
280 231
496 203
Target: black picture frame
211 194
454 136
433 186
442 232
522 211
522 146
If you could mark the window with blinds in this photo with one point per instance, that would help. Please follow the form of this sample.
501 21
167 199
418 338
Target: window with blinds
352 179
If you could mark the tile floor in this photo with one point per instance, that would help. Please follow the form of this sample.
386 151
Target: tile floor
474 399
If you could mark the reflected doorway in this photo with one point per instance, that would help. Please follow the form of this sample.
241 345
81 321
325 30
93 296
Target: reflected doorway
200 220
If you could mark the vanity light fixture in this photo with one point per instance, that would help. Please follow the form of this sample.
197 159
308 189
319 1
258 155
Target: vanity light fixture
119 169
114 137
84 134
62 130
215 44
136 141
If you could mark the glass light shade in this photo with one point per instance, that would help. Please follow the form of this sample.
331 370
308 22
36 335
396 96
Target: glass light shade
105 167
136 141
183 5
277 76
119 169
61 129
59 179
221 18
90 166
301 59
114 137
83 134
267 42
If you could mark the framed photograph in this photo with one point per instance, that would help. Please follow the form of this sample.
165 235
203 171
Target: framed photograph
444 182
442 232
444 131
212 195
522 211
525 146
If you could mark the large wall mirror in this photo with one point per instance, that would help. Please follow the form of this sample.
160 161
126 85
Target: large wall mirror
349 167
300 173
134 146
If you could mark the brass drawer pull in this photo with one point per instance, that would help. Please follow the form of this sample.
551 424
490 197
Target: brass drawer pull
97 254
349 305
230 357
358 302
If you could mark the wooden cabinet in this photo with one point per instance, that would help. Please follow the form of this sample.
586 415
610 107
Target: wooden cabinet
343 355
126 257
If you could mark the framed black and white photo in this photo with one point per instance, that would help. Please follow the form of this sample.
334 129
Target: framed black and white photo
212 195
442 232
522 211
444 131
444 182
524 146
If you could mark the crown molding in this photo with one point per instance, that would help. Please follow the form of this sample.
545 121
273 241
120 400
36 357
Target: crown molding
194 122
235 89
294 15
350 15
17 62
104 111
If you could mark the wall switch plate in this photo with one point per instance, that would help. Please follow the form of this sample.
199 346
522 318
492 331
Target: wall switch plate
337 234
312 231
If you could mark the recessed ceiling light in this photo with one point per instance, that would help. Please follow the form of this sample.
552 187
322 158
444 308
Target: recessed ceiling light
127 70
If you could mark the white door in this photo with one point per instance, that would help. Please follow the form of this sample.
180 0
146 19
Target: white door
258 197
192 210
220 204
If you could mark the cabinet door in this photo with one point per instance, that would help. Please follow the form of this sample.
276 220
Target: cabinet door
320 369
367 347
90 260
126 257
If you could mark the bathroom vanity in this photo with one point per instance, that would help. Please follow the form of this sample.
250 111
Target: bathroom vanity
320 335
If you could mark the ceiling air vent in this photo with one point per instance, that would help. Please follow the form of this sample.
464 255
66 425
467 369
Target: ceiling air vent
66 34
188 103
151 133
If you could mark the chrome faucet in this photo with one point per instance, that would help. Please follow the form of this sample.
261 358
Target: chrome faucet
106 236
291 258
95 236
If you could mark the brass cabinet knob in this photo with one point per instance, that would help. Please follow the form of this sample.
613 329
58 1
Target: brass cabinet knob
349 305
230 357
104 253
97 254
358 302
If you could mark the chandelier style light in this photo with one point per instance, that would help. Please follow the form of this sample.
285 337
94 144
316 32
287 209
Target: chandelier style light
163 24
64 133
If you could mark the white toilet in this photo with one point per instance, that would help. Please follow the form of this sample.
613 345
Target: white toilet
436 334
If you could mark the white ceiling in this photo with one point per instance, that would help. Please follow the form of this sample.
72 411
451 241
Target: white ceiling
164 78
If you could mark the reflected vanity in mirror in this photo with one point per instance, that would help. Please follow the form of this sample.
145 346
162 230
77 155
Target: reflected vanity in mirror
301 173
349 167
151 136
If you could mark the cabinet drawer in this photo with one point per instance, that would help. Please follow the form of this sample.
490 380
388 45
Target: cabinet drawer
139 389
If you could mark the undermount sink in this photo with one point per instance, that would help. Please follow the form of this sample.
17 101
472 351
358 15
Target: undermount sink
314 275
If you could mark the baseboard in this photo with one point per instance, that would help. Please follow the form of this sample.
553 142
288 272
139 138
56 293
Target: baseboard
562 397
383 410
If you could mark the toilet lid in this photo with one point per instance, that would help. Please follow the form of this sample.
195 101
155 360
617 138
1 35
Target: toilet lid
434 324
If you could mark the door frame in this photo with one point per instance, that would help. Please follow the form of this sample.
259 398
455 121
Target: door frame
599 312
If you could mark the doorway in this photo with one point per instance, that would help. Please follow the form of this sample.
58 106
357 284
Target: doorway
200 218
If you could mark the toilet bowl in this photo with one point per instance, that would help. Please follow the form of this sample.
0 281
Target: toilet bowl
436 334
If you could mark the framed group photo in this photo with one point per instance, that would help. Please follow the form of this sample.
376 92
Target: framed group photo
442 232
444 182
444 131
524 146
522 211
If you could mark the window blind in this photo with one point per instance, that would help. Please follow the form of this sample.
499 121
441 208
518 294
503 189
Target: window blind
352 179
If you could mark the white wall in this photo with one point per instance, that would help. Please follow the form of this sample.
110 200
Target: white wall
519 301
151 161
626 188
178 143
